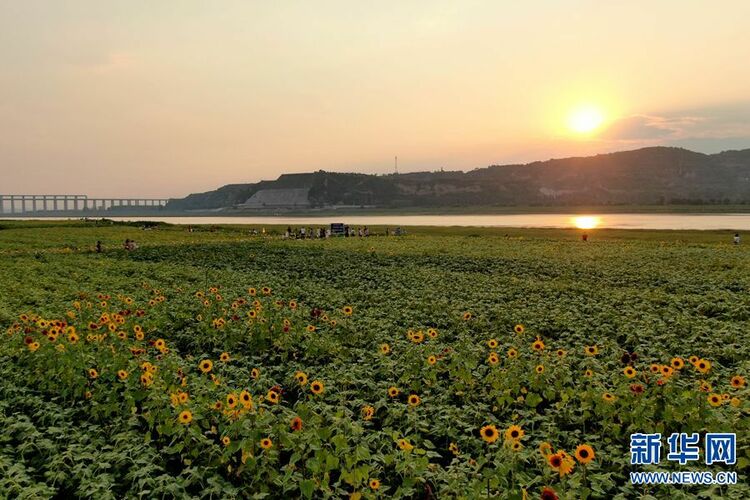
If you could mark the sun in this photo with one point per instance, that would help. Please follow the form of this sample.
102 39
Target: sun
585 120
586 221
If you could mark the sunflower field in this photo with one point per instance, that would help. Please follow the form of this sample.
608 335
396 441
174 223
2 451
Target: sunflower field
462 363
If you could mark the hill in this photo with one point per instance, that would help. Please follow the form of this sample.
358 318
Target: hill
648 176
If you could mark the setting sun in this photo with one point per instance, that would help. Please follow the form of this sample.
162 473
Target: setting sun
586 222
585 120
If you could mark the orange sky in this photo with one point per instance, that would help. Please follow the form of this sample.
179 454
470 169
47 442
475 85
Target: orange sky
166 98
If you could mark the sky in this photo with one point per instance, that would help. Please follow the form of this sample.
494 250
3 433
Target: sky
161 99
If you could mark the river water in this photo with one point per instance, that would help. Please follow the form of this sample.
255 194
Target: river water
619 221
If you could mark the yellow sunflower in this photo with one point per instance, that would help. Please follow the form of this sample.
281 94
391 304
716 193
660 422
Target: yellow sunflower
703 366
514 433
206 365
489 433
185 417
317 387
584 453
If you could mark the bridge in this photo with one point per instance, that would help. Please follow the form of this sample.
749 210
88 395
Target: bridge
39 203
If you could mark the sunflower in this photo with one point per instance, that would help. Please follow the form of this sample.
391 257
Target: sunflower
513 433
404 444
273 397
493 343
549 494
224 357
629 372
417 337
255 373
368 412
545 449
453 448
725 397
693 359
735 402
591 350
432 333
246 399
301 377
73 337
588 373
252 292
374 484
317 387
385 349
489 433
431 360
636 389
296 424
655 368
466 316
122 374
566 463
252 314
516 445
226 441
393 392
160 344
560 353
206 365
714 400
737 381
93 373
584 453
538 345
266 443
704 386
703 366
493 358
217 405
348 310
667 371
414 400
555 460
231 400
512 353
677 363
608 397
539 369
185 417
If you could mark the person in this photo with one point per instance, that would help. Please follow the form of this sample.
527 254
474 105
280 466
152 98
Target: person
98 247
736 238
367 232
585 236
387 232
126 245
302 232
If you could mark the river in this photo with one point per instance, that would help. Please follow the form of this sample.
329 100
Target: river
735 222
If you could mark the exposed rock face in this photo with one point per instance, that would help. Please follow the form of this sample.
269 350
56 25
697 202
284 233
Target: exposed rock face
278 198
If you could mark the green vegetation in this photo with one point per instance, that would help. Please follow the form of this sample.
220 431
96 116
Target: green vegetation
104 391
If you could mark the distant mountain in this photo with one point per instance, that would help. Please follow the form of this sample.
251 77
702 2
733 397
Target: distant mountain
656 175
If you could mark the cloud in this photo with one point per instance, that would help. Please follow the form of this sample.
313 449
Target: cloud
707 129
646 127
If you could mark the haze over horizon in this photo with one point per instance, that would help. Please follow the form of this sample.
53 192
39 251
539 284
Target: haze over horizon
161 100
